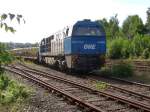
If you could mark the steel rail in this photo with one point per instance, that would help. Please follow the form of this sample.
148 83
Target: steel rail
51 87
125 100
45 74
114 78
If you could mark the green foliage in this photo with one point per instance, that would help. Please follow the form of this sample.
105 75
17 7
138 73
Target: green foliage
101 85
138 47
128 41
1 70
114 26
131 40
126 48
111 27
11 91
3 82
115 48
5 57
4 17
123 69
105 71
146 53
132 25
147 25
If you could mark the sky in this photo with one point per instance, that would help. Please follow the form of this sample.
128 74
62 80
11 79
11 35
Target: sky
45 17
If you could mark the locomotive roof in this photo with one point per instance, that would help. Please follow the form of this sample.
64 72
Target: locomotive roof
87 22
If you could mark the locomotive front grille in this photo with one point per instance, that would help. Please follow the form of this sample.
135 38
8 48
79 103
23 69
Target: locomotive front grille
87 62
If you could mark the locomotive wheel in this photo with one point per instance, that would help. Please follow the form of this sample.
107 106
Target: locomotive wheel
56 65
62 66
70 71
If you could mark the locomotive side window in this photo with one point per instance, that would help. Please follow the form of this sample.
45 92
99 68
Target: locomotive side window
87 31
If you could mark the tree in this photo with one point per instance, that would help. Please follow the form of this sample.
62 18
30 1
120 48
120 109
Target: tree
4 17
105 24
5 57
147 25
111 27
114 26
132 25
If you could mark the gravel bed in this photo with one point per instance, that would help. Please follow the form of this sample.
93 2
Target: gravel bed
83 79
41 100
110 90
91 80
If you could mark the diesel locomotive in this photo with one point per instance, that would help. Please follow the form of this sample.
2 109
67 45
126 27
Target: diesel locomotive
81 46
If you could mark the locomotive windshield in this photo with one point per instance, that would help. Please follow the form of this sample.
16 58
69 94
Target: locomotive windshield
88 31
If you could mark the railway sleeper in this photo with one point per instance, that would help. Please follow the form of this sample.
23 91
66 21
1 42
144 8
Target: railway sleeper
85 109
96 99
70 89
44 83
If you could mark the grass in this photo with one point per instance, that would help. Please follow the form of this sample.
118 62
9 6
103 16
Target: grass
101 85
105 71
122 69
142 77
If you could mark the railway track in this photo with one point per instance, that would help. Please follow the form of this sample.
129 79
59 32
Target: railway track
102 101
137 65
128 84
56 90
142 65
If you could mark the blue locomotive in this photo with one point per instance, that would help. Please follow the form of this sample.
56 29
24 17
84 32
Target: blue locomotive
78 47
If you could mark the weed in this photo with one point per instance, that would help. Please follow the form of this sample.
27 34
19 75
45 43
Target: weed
101 85
123 69
105 71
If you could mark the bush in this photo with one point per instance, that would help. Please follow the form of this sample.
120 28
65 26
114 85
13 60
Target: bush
5 57
1 70
123 69
4 81
146 53
115 49
11 91
137 47
105 71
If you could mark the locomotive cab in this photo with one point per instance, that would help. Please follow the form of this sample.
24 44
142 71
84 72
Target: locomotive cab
85 49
